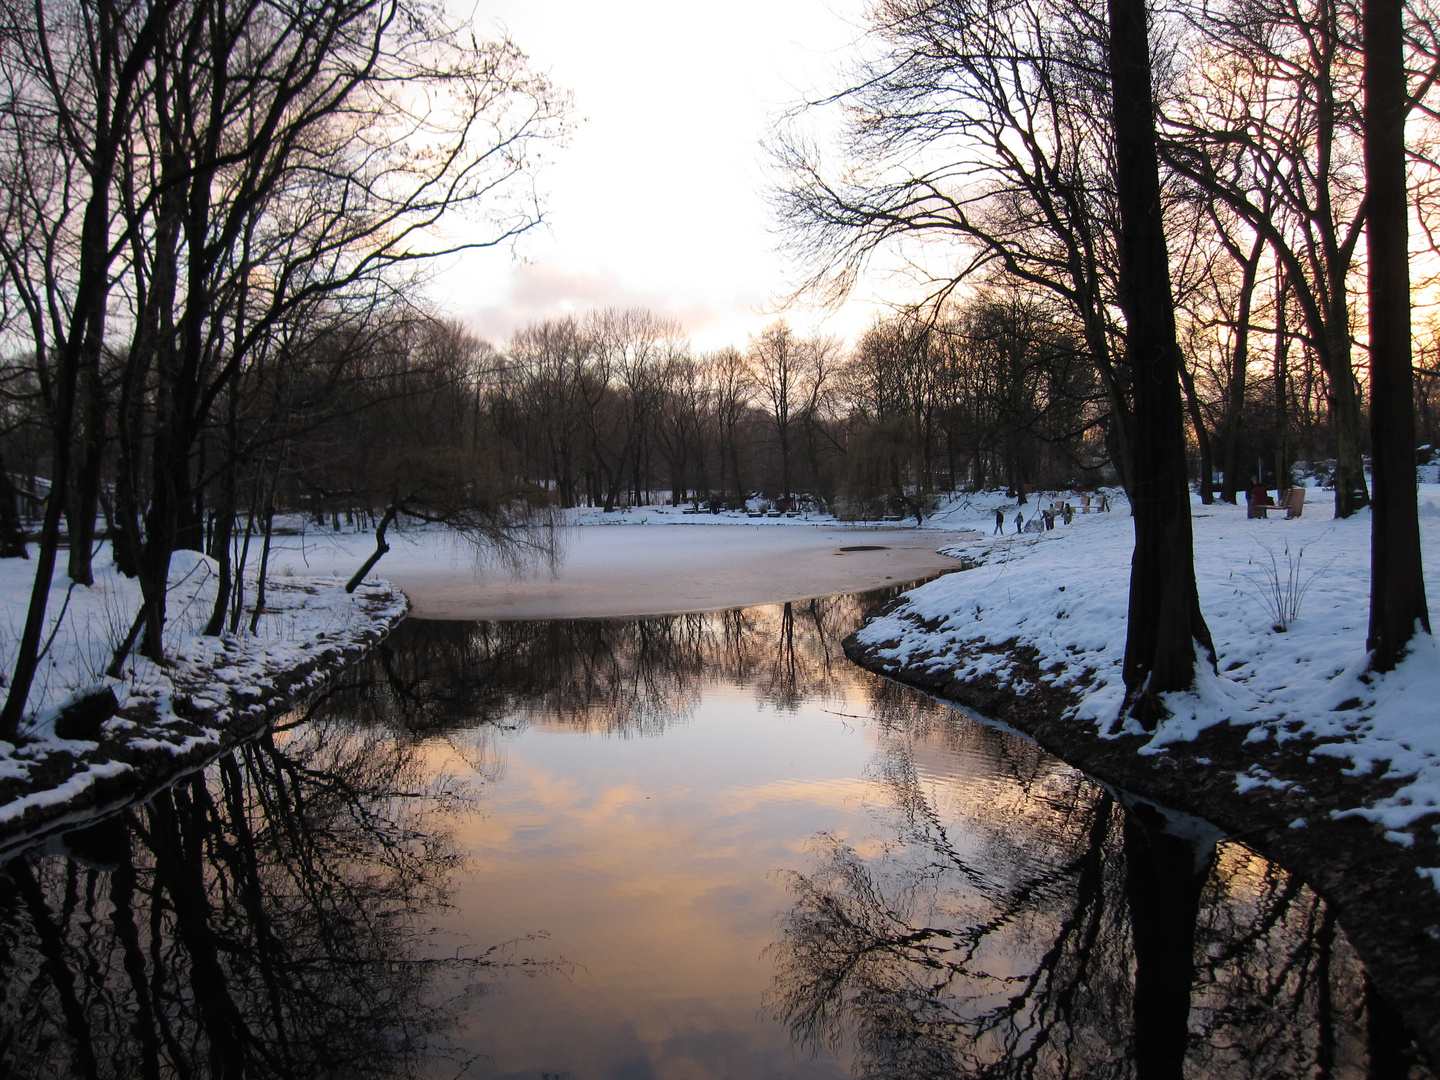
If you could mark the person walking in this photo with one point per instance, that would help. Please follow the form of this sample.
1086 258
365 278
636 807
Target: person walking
999 521
1019 521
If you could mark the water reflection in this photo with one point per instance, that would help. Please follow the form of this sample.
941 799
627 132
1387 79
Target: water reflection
740 843
1024 923
265 918
631 677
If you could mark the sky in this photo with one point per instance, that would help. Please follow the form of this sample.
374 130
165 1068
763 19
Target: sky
658 200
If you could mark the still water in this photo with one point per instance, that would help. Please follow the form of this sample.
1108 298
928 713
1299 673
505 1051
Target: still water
681 848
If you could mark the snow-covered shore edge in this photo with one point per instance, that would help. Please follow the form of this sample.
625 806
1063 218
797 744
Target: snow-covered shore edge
217 693
1029 636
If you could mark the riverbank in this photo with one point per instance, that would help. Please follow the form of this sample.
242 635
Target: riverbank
133 735
94 743
1291 747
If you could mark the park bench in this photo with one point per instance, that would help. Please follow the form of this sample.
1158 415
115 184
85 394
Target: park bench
1293 502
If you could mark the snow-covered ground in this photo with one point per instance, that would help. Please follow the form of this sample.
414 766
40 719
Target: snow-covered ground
172 717
1064 593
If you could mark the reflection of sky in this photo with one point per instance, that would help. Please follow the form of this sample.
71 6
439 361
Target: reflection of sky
651 849
649 863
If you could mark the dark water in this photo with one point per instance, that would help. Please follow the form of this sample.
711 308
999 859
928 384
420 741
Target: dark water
696 847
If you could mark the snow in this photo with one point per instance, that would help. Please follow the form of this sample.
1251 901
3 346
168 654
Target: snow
1064 593
179 714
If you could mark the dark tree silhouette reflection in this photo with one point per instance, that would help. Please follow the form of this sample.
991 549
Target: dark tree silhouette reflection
630 677
266 918
993 914
1026 924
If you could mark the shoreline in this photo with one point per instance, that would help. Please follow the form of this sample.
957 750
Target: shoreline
1389 911
154 739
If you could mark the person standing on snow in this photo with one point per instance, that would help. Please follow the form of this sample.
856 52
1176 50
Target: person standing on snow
1019 521
999 521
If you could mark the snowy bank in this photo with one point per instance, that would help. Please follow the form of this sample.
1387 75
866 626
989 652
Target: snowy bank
1291 745
216 692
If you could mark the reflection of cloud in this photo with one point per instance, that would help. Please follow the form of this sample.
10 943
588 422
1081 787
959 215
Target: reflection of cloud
833 792
543 291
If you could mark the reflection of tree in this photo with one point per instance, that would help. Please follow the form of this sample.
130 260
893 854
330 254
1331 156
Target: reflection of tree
963 951
1022 923
263 919
1278 982
622 676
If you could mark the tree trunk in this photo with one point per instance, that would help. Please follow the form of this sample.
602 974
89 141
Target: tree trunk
1350 492
12 535
263 571
1282 373
1397 581
1202 437
1239 368
220 551
126 540
1163 882
237 600
381 547
1164 611
85 486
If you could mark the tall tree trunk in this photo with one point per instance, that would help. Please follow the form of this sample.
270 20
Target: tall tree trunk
264 570
1397 581
237 600
225 521
1282 379
85 485
1202 437
1164 612
1239 369
1350 492
91 298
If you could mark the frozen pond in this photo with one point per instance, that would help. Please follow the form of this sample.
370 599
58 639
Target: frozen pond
634 569
690 847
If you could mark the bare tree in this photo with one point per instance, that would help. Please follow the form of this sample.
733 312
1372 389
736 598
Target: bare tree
731 399
1269 125
77 81
788 375
276 159
981 124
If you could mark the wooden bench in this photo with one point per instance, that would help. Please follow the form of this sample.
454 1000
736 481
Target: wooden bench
1293 502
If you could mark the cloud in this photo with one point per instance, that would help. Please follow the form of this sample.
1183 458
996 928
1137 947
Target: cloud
539 291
